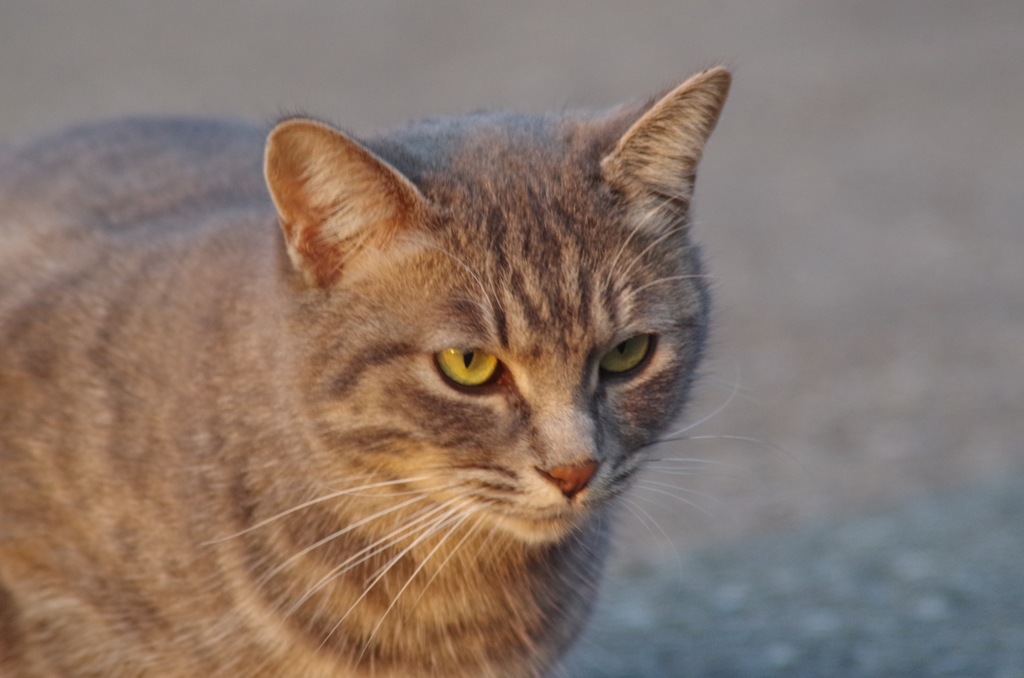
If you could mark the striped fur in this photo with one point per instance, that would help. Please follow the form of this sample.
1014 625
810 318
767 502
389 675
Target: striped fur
226 449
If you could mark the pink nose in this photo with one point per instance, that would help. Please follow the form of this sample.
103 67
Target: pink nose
570 479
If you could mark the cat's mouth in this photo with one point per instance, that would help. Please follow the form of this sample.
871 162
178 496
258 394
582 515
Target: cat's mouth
534 504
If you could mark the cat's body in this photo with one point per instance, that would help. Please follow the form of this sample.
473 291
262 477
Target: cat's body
226 452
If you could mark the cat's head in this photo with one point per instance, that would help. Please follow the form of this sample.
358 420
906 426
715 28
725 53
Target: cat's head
502 310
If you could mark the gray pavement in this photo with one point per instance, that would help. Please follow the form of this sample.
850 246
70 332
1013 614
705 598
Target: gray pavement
862 208
931 587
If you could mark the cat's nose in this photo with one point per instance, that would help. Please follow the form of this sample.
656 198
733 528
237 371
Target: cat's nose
570 479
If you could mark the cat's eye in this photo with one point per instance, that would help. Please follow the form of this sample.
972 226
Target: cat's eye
627 354
467 368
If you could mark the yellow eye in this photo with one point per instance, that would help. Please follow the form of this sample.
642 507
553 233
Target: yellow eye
627 355
467 368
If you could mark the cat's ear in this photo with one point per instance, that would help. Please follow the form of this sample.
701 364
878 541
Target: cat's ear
333 197
655 162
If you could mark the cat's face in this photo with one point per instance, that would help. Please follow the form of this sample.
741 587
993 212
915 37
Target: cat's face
523 314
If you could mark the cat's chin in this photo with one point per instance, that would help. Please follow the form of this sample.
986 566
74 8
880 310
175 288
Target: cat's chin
539 531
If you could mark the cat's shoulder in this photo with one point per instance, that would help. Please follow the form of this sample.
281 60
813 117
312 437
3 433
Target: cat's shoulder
123 172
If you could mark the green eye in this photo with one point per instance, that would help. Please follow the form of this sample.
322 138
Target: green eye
466 368
627 355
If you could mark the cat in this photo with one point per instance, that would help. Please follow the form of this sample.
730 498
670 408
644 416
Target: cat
297 404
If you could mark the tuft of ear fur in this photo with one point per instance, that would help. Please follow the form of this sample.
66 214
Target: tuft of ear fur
655 162
333 197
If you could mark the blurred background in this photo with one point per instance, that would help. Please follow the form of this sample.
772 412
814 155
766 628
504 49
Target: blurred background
861 206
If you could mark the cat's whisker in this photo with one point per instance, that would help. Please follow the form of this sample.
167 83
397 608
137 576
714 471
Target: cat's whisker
341 482
644 516
627 468
367 491
745 439
437 520
486 541
657 241
361 476
744 391
402 531
339 571
675 434
457 524
307 504
464 265
689 472
486 311
348 528
455 549
718 410
697 463
427 533
639 226
383 543
756 442
386 494
636 290
651 484
644 485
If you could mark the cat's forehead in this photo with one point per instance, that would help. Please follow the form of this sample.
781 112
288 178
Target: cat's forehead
526 227
525 184
523 211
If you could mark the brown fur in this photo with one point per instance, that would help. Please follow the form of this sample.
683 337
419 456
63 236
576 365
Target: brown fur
194 386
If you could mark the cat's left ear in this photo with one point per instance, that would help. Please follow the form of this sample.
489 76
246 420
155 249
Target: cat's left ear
333 197
655 162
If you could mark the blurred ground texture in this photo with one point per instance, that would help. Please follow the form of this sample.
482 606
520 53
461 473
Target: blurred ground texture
862 209
930 588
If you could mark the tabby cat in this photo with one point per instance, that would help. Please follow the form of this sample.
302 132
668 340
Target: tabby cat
338 407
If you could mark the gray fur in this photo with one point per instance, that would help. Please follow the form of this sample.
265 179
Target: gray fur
192 395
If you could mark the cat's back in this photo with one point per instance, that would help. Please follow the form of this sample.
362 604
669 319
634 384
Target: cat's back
111 236
86 210
93 182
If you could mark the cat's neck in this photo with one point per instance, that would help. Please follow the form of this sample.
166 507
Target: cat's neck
474 595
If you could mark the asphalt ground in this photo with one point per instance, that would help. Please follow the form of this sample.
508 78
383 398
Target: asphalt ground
861 206
929 587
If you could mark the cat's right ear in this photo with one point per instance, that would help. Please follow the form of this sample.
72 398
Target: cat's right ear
333 197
